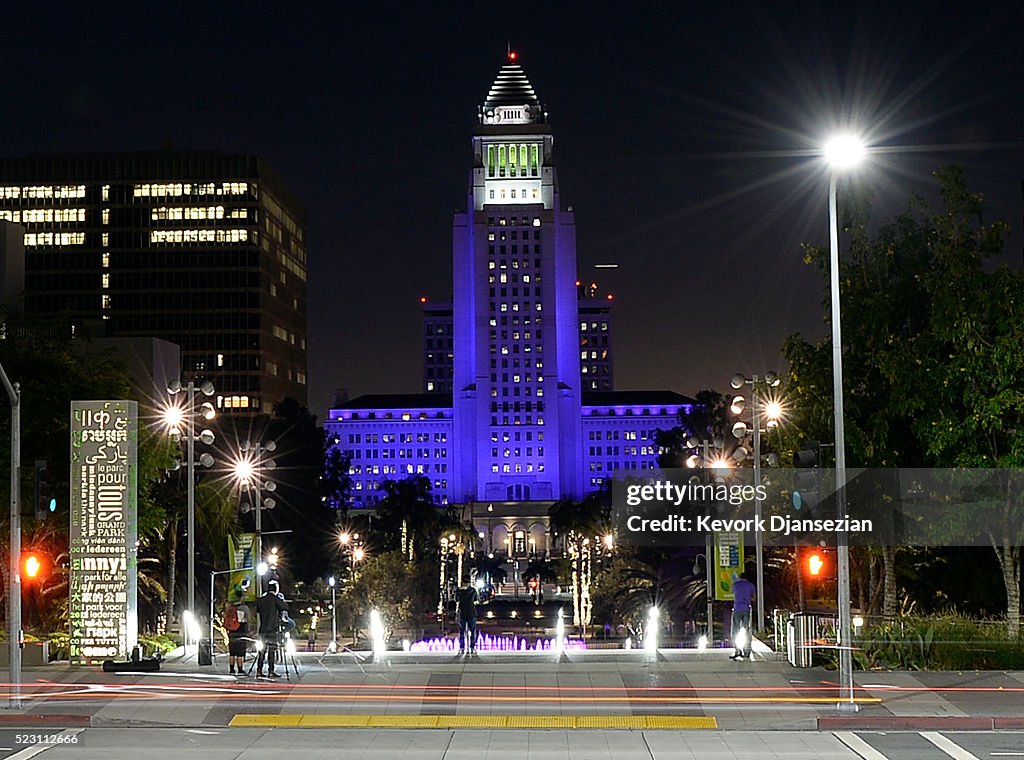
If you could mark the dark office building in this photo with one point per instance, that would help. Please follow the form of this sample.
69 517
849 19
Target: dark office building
202 249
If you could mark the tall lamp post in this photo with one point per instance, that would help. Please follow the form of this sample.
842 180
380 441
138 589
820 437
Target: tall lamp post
334 611
842 152
14 560
182 423
710 465
768 412
249 471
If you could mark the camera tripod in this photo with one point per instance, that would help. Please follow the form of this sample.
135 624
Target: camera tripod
282 656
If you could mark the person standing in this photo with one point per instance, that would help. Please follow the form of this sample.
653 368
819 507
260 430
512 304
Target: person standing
467 601
272 611
744 593
236 621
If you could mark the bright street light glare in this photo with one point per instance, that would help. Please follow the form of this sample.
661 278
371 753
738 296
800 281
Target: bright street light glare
844 151
244 470
344 538
358 554
773 410
173 416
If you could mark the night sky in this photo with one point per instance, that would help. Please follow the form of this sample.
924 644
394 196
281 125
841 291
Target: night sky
682 140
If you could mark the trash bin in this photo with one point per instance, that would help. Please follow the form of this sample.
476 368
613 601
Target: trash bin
205 652
801 630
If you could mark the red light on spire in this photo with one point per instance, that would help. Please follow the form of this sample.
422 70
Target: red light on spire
423 299
610 296
512 55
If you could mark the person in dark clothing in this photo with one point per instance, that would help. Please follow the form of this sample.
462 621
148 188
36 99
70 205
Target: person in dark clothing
272 612
744 593
468 599
237 623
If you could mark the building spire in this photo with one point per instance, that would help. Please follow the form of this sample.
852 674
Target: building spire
512 99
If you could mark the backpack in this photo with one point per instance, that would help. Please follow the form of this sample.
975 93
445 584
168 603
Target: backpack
231 619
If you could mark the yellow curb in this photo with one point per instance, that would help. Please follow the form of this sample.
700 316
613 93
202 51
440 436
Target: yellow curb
249 720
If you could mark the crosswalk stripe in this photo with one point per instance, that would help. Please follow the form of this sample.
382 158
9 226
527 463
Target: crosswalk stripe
858 745
948 746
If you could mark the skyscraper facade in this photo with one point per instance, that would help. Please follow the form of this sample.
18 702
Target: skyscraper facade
203 249
516 425
596 368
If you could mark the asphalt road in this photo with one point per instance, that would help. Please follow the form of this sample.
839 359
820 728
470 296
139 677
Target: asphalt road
313 744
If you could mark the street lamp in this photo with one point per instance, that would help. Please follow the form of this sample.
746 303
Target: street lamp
842 152
14 547
713 466
762 410
181 422
355 551
249 469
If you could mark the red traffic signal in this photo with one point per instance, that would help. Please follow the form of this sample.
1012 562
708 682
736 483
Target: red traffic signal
34 566
815 564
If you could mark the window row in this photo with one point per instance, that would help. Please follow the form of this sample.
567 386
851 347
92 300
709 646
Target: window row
33 239
512 160
513 221
43 215
201 236
43 191
397 454
517 453
172 213
506 420
628 435
518 468
517 436
175 189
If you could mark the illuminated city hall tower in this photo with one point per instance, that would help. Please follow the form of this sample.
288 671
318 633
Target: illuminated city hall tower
516 373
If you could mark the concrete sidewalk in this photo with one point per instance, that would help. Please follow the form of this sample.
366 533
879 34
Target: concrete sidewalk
579 689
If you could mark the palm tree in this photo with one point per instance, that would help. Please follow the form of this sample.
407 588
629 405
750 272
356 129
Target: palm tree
409 514
580 523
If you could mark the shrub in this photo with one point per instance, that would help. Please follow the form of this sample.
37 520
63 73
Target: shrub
939 642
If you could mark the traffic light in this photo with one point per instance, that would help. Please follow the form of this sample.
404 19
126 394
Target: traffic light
46 500
815 565
35 566
806 484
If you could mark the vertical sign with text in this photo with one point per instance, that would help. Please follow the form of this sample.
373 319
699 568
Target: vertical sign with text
104 530
728 563
242 582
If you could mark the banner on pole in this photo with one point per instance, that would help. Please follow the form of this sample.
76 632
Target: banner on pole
240 555
728 563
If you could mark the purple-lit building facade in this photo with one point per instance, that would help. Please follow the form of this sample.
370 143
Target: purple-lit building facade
596 367
514 428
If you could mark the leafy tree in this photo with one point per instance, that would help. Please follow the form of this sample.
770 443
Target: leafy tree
54 366
933 345
409 520
708 419
310 494
396 588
